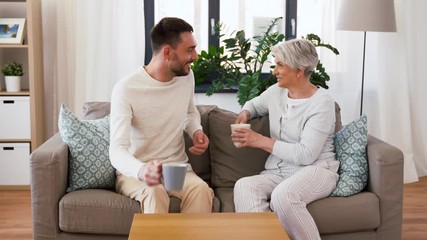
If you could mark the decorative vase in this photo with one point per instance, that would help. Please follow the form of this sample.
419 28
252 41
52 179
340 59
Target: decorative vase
13 83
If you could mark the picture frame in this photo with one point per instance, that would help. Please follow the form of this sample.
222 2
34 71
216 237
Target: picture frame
12 30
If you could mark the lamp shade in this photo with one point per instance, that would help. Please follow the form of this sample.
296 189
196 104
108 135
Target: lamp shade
366 15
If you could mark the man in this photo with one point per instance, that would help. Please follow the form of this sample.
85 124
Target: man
149 110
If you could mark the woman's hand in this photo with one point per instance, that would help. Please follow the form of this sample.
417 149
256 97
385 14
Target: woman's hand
250 138
243 117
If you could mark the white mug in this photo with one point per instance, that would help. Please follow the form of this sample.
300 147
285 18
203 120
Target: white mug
239 125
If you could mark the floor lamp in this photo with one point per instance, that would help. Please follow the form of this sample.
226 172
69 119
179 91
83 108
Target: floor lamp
366 16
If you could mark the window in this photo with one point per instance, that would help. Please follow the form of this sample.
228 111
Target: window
234 14
310 14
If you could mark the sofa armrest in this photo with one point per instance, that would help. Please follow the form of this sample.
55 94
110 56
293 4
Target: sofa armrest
386 181
49 173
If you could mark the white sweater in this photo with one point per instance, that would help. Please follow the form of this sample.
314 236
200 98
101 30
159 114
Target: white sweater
148 118
304 133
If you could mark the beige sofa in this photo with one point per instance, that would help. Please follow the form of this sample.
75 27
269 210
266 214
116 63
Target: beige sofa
375 213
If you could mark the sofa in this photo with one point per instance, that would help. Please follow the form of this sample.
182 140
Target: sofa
374 213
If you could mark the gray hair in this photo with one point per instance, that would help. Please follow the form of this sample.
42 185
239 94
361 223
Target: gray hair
298 54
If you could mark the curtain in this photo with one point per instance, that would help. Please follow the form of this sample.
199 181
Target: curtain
88 47
394 80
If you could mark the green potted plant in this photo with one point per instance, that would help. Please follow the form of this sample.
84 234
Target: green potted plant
12 72
238 64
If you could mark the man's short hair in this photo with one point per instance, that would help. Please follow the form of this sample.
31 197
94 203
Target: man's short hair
168 31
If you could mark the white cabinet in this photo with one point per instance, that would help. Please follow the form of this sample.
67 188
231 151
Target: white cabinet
21 113
16 123
14 164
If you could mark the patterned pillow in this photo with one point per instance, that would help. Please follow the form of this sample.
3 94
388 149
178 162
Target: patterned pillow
88 142
350 147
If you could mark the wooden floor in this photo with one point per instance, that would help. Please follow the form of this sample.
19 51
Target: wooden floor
15 213
415 210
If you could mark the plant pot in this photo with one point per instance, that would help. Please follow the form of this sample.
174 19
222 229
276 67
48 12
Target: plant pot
13 83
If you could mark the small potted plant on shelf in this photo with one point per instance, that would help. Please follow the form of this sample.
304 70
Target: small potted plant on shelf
12 72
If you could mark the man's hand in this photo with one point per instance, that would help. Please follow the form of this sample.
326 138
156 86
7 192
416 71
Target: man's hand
151 173
200 143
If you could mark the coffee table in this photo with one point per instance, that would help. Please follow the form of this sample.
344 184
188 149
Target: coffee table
207 226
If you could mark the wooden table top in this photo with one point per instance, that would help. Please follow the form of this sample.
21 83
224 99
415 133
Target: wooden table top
207 226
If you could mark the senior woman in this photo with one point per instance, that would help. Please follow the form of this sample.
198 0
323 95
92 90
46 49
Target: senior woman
301 167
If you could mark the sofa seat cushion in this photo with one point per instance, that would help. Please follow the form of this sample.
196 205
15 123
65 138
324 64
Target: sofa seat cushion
100 211
225 196
97 211
358 213
332 215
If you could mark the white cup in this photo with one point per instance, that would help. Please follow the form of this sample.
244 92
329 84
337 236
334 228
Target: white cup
174 175
239 125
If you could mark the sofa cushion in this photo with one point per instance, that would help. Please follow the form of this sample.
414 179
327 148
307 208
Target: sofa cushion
357 213
228 162
96 110
332 215
88 143
97 211
225 196
338 123
100 211
201 164
350 147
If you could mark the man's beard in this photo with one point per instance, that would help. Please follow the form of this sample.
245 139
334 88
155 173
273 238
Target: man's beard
181 71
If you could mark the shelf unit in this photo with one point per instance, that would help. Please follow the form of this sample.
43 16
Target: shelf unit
30 54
